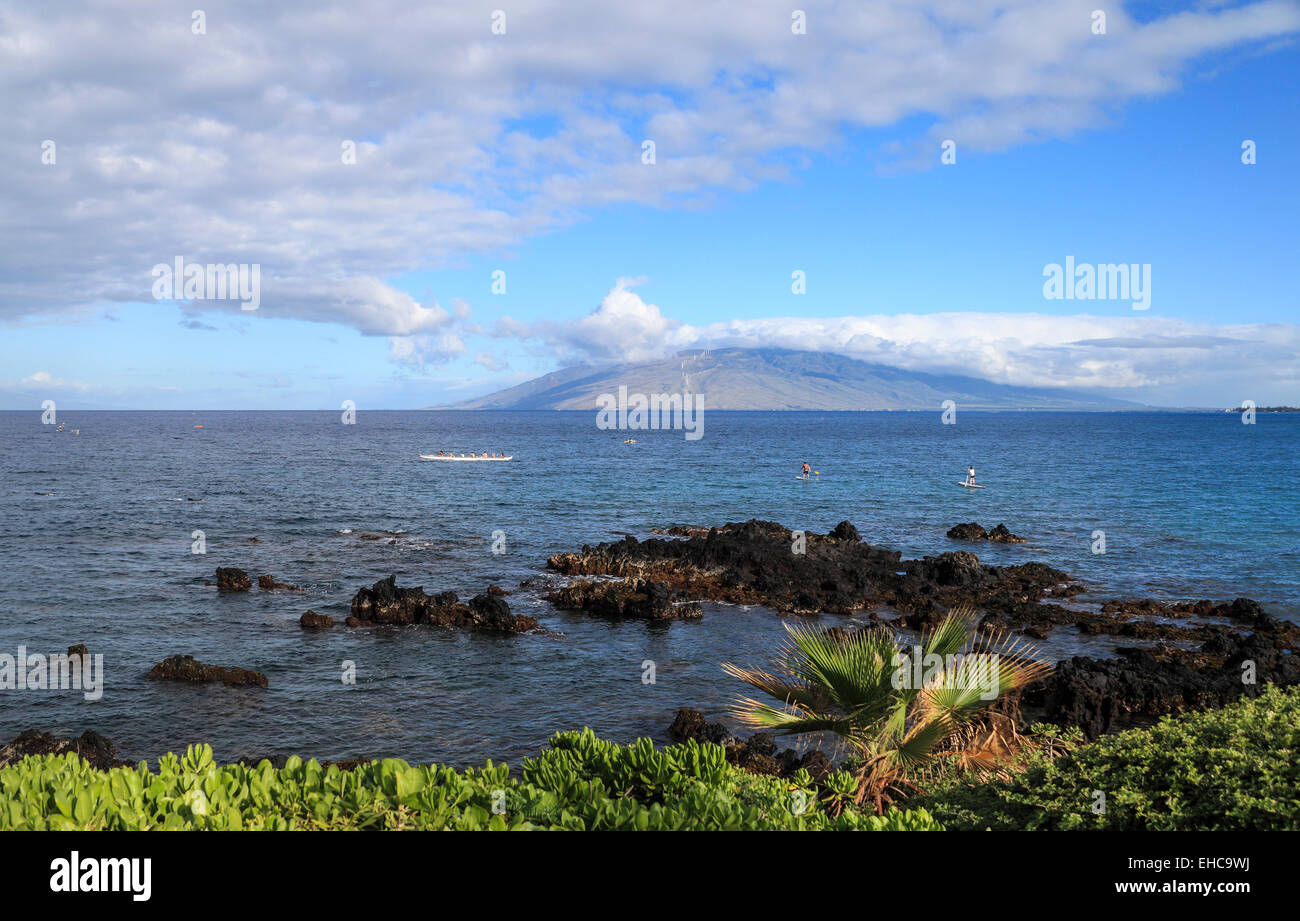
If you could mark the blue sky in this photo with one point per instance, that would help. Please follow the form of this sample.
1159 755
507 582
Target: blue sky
546 184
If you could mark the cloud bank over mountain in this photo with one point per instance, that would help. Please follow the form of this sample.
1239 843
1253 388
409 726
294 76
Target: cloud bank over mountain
1138 353
779 379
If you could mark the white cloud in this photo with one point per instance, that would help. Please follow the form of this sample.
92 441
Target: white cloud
491 362
1082 351
368 305
622 328
419 352
44 381
226 147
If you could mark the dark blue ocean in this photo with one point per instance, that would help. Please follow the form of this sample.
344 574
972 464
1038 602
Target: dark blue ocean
96 543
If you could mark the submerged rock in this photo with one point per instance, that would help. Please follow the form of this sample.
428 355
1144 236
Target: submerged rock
187 668
388 604
267 583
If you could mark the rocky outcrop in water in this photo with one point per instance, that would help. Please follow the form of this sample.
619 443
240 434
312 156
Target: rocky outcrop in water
314 621
90 746
385 603
1202 651
1143 684
1000 535
634 598
230 579
491 613
973 530
1139 619
762 562
1243 611
191 670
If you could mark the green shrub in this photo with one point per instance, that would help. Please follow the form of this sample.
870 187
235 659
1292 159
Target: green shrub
580 782
1233 768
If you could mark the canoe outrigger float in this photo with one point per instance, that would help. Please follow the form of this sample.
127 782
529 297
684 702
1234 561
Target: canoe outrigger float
464 457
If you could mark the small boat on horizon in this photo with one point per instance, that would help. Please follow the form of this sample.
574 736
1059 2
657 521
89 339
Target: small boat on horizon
465 457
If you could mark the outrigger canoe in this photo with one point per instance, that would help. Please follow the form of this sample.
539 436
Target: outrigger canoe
464 457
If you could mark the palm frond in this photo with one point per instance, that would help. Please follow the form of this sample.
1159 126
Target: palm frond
917 747
760 715
855 671
800 695
970 682
953 633
861 688
961 687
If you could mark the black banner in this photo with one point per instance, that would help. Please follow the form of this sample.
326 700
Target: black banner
341 870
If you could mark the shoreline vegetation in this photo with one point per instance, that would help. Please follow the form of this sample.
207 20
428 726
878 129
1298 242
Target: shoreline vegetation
1230 768
1192 728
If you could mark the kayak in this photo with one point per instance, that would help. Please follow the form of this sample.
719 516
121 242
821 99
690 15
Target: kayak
453 457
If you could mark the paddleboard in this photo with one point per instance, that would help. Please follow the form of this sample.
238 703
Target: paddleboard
451 457
969 486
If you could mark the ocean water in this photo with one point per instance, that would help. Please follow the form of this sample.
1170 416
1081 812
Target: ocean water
96 545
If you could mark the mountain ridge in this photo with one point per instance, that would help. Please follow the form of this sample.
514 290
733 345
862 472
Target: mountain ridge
781 380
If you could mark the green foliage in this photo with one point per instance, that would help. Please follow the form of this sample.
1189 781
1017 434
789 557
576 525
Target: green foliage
1233 768
861 686
579 783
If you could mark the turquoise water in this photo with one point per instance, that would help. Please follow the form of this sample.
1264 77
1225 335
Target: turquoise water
1193 505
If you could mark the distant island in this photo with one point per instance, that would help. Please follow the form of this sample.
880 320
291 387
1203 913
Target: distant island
783 379
1265 409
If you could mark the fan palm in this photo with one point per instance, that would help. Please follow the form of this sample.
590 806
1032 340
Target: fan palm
863 688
